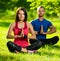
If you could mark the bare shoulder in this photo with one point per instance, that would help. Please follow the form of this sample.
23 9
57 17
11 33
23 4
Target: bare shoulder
12 24
28 24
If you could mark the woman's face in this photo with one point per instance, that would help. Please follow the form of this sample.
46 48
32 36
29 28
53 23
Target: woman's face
21 15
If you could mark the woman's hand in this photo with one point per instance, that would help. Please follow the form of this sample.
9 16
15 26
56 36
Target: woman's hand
21 34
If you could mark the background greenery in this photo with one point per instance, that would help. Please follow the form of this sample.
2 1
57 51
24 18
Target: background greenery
7 15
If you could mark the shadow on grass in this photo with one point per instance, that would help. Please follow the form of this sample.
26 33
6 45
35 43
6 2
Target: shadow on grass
7 58
50 53
4 24
57 47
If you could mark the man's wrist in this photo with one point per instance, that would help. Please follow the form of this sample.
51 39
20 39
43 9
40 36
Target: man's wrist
38 32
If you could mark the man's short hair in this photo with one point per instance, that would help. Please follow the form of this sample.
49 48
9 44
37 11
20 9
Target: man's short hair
40 7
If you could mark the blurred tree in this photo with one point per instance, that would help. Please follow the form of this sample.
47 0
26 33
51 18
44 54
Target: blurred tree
12 4
9 7
52 6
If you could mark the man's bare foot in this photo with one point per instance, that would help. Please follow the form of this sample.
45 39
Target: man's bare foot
32 51
16 51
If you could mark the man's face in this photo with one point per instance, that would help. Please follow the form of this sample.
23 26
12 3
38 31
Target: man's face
41 12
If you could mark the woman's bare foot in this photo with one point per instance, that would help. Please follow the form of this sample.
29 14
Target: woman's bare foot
24 50
28 51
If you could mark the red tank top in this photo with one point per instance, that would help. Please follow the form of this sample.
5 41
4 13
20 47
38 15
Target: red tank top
23 42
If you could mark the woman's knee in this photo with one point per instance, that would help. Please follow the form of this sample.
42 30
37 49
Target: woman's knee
9 43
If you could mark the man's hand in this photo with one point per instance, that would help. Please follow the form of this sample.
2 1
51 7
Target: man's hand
41 30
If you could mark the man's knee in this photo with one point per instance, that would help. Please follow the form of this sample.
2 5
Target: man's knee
57 38
54 40
39 43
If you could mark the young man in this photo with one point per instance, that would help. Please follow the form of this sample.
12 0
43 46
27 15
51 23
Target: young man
41 26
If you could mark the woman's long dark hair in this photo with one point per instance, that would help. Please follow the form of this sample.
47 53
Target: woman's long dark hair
25 13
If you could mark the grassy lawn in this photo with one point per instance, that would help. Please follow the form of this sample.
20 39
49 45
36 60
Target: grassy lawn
47 53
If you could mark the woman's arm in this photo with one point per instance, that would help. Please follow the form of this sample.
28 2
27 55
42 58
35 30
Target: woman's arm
9 34
31 30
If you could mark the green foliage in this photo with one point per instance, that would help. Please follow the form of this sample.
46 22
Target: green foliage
8 8
12 4
52 6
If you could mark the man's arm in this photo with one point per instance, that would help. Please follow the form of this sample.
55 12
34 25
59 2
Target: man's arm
52 30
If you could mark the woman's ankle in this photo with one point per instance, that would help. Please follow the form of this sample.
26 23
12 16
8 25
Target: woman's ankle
24 50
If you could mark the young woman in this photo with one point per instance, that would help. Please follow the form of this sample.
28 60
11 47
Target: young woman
21 28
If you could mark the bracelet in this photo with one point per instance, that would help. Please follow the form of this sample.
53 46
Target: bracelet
25 36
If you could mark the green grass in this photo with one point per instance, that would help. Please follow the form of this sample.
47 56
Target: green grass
47 53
